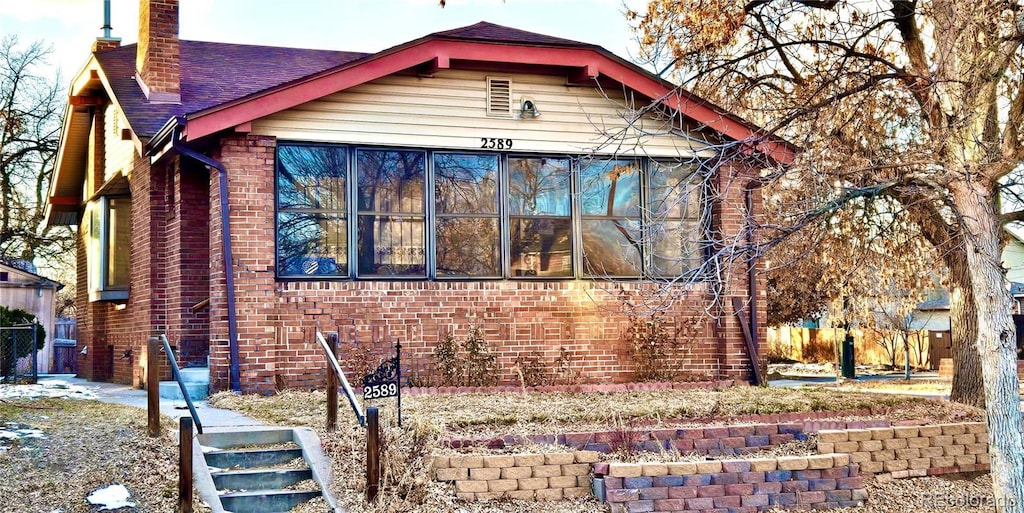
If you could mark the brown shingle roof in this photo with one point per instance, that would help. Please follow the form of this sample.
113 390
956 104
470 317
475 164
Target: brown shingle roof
213 74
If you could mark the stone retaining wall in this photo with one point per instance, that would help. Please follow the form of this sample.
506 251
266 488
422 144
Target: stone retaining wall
912 451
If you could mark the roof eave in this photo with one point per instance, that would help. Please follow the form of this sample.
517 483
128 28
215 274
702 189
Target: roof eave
594 60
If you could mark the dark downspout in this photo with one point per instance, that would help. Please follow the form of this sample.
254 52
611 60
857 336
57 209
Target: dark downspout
236 385
752 265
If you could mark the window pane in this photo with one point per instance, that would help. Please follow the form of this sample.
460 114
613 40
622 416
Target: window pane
466 184
674 191
468 246
611 248
119 233
391 246
676 247
94 246
610 187
540 247
311 177
311 245
391 181
538 186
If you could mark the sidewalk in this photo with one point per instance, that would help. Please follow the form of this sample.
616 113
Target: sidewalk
124 394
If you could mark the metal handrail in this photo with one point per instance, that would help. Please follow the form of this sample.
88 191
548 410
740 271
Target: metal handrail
336 367
181 383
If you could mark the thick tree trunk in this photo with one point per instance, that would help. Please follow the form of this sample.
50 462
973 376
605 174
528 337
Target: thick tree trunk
968 386
996 342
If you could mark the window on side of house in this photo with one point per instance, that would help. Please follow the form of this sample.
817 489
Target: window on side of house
676 226
611 218
467 227
108 251
391 236
540 222
312 233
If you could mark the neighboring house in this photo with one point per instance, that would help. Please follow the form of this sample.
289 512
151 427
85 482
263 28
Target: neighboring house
483 175
36 295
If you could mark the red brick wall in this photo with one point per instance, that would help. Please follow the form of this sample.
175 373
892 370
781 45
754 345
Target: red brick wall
518 317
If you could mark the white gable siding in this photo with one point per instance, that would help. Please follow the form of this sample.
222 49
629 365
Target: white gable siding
449 110
119 153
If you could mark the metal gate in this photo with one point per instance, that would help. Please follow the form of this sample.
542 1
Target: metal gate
18 354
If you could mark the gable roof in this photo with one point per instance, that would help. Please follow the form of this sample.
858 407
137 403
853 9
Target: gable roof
224 86
28 278
493 44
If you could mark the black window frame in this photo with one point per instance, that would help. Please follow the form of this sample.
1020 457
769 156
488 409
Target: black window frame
505 217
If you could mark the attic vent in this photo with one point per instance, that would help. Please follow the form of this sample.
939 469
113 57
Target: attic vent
499 97
3 276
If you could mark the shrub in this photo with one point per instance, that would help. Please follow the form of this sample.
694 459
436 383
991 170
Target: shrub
10 351
469 363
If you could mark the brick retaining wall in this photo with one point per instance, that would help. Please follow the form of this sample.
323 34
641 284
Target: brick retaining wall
833 478
738 485
550 476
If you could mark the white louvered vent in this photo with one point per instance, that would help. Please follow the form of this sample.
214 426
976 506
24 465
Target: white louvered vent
499 97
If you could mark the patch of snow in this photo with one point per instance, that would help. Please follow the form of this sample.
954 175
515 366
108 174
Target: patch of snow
112 497
207 448
46 389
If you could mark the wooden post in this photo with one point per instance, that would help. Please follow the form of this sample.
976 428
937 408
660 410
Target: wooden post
332 388
372 454
153 385
185 465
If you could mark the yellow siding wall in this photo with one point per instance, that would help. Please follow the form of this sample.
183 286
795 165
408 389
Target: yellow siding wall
119 154
449 111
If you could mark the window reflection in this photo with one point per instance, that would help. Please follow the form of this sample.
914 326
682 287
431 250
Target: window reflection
467 231
610 202
540 231
391 238
311 219
675 227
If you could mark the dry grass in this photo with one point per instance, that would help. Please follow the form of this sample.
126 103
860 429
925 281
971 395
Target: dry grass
88 445
406 483
501 414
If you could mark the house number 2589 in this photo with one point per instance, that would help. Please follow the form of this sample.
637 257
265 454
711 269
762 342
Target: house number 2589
495 143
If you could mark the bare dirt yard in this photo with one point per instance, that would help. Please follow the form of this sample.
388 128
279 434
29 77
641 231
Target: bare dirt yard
83 445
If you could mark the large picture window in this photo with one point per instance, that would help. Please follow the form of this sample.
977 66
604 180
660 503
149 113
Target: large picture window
467 225
540 226
312 234
380 213
391 236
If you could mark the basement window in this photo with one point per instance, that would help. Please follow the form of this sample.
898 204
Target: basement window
108 237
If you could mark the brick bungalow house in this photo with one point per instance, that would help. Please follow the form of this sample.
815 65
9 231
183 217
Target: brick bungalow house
483 175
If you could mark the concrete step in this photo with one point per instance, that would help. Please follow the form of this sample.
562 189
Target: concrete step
196 375
268 501
251 458
233 472
253 480
196 391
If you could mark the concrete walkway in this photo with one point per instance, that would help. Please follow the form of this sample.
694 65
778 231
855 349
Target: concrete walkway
124 394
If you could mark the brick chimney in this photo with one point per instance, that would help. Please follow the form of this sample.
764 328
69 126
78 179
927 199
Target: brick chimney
157 57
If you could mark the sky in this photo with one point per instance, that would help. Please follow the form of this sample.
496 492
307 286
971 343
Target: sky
70 26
